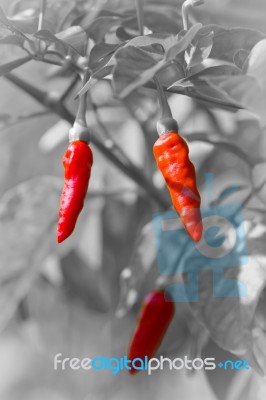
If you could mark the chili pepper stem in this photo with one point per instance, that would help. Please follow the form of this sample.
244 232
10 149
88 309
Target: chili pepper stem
165 108
140 16
187 5
80 128
40 23
166 123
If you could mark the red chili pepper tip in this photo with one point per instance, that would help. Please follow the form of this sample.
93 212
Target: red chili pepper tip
77 163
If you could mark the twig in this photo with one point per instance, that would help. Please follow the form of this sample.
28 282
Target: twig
23 118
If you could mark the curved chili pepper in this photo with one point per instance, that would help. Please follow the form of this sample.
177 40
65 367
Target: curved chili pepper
77 163
155 316
172 156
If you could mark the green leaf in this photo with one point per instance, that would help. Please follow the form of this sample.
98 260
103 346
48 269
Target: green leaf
12 26
199 49
164 40
240 58
58 11
218 70
100 27
99 74
101 54
8 67
46 36
26 15
199 87
134 68
183 43
244 90
227 42
159 18
75 37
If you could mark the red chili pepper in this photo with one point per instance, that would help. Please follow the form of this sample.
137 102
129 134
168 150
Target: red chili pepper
77 162
155 316
172 156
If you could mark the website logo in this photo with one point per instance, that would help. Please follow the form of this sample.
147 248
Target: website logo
222 246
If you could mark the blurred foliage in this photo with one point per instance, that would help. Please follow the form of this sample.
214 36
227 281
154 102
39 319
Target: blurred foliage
82 298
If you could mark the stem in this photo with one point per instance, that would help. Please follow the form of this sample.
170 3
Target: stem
58 108
82 109
140 16
187 5
165 108
41 16
41 20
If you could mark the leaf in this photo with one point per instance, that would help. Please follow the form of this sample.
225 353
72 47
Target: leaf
215 71
243 90
202 90
183 43
26 13
57 12
75 37
255 70
8 67
101 54
240 58
159 18
199 49
227 42
164 40
46 36
99 74
201 87
134 68
27 21
22 209
100 27
11 26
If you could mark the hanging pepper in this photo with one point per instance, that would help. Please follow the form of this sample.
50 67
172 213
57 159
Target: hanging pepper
172 156
171 153
77 162
155 316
